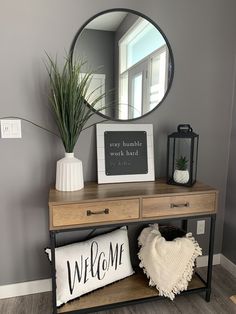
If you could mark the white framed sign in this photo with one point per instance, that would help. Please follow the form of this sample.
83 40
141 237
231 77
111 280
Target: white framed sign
125 153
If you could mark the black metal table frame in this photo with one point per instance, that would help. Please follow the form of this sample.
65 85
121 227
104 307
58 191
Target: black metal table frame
184 219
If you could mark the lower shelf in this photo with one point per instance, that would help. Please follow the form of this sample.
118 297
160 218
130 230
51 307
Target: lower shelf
131 288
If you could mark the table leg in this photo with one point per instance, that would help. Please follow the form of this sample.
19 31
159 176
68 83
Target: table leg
185 225
53 270
210 258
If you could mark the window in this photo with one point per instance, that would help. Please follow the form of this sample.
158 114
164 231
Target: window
158 76
96 89
143 68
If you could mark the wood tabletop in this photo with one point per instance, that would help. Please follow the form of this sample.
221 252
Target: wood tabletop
95 191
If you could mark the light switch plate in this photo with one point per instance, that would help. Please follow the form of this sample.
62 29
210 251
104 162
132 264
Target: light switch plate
11 128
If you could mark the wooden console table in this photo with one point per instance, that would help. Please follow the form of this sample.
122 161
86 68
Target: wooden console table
98 206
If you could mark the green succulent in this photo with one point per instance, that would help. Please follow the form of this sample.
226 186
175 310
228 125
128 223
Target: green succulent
181 163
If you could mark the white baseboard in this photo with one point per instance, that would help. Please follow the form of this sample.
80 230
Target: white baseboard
228 265
202 261
218 259
39 286
25 288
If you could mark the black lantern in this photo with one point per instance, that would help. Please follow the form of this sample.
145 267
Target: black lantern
182 151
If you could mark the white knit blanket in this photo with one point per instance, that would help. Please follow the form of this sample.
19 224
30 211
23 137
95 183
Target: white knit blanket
168 264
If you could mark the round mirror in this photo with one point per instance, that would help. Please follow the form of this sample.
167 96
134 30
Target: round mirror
131 61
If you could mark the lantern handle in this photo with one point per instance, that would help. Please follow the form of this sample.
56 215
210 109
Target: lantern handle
184 128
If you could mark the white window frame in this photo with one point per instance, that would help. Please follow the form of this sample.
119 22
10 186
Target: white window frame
100 89
127 107
125 112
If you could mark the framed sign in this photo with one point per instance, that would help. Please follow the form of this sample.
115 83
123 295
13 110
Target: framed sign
125 153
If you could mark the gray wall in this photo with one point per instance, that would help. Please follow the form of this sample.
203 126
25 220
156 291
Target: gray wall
201 34
229 245
97 48
127 22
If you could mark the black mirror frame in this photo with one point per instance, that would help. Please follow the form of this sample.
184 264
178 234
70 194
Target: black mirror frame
171 58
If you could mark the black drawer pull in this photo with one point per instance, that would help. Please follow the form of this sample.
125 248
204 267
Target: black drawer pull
179 205
105 211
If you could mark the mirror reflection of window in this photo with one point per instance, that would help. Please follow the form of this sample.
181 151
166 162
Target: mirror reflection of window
143 56
96 89
159 76
137 89
123 97
136 96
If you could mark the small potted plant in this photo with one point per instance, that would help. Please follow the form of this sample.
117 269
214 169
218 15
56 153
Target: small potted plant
181 173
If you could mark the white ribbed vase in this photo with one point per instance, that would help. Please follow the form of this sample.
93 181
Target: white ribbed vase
69 174
181 176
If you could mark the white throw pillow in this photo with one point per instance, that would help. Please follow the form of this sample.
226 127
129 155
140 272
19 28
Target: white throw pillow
85 266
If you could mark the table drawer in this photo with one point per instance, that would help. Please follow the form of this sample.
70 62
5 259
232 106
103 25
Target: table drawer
94 212
178 205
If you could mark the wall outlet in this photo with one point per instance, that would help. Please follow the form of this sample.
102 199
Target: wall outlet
200 226
11 128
